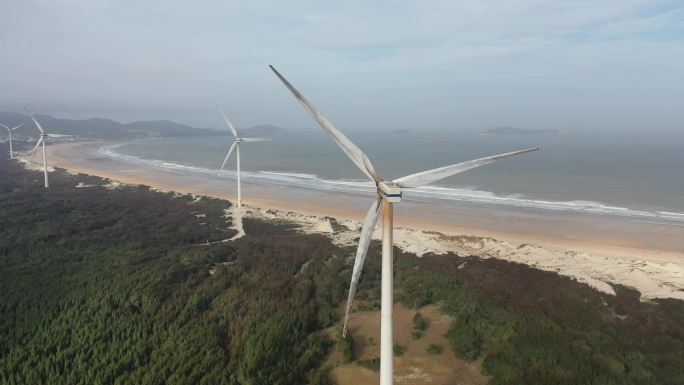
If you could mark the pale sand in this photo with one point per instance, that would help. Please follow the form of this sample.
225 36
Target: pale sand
596 250
236 214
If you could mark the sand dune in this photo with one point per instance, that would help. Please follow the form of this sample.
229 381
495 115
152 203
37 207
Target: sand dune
652 279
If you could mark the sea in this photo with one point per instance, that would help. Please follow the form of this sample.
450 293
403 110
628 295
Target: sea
630 175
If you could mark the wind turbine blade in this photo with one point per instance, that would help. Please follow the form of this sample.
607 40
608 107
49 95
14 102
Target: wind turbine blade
431 176
59 136
364 241
354 153
15 127
255 139
40 128
230 125
228 155
37 145
5 126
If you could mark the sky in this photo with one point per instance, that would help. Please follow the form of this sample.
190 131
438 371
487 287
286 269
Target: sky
615 65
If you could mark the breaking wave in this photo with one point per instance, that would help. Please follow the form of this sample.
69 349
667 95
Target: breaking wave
427 193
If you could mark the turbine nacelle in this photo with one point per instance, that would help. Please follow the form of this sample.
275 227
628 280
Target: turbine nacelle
389 191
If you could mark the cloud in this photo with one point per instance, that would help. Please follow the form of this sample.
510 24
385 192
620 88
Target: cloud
368 64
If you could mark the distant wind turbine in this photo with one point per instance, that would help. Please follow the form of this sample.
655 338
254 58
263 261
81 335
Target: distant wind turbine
43 137
235 144
388 193
9 131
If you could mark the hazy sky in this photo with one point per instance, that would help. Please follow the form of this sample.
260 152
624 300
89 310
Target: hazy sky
430 64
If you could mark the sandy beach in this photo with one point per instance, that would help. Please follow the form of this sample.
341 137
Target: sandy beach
597 250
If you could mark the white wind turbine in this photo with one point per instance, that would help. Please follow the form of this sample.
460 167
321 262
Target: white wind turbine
9 131
388 193
236 144
43 136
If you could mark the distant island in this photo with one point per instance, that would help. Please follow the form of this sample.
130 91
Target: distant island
99 128
262 130
400 131
517 131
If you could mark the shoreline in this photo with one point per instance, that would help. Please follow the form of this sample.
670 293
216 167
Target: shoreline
559 230
645 256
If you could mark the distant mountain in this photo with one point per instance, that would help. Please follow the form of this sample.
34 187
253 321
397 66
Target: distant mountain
517 131
262 130
99 128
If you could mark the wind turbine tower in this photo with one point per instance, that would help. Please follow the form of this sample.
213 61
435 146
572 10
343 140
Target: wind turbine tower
236 145
9 131
388 193
43 136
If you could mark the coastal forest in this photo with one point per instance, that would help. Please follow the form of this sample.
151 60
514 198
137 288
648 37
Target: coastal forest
108 284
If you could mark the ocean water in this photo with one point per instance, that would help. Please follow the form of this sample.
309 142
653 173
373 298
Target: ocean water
597 174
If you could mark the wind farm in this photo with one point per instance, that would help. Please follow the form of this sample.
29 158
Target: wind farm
424 245
404 299
169 216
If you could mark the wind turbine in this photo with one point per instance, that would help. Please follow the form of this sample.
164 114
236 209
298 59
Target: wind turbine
43 136
9 131
235 144
388 193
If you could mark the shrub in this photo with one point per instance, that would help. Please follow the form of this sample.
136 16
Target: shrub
435 349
